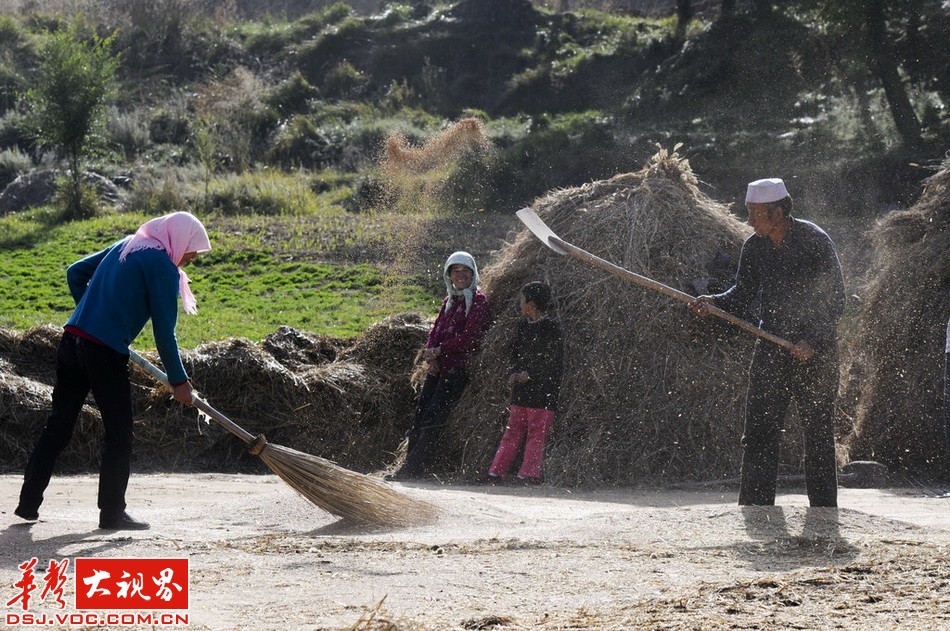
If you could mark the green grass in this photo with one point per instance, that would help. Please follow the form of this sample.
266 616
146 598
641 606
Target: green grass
244 287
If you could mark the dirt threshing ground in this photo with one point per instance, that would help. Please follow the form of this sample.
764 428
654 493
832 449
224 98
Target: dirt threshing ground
515 558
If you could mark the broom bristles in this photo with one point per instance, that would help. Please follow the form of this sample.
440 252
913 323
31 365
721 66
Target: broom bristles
353 496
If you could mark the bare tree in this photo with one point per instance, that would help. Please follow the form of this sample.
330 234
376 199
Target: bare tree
684 13
886 68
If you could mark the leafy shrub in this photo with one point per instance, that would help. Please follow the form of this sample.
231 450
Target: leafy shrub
12 163
240 120
266 40
17 56
332 47
128 131
10 85
169 126
158 193
299 143
68 101
15 132
335 13
344 81
77 199
266 192
291 96
152 32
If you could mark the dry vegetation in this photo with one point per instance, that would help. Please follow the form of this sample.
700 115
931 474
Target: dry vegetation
345 400
900 341
649 392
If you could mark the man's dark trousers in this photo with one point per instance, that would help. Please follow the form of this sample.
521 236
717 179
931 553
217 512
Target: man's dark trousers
775 379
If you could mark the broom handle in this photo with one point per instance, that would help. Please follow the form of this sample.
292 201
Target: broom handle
199 403
649 283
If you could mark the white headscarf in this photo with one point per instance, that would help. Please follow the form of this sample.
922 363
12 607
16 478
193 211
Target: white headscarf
176 234
466 259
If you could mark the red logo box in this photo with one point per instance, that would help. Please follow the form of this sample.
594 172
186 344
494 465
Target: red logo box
131 584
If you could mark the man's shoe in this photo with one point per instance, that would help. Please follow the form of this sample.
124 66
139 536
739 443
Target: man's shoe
22 513
120 520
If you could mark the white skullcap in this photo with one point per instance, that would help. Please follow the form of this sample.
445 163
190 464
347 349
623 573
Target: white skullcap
765 191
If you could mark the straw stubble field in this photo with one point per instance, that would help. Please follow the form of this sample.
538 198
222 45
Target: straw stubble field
518 558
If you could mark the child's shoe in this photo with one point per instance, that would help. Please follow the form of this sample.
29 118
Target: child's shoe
492 480
530 481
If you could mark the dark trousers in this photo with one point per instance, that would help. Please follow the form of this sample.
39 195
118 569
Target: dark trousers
439 395
775 379
82 366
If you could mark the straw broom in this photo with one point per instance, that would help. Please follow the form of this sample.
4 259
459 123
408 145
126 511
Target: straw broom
353 496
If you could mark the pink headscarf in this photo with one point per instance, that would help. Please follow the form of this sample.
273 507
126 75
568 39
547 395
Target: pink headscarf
177 234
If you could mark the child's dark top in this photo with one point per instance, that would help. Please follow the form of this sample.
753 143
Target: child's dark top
538 350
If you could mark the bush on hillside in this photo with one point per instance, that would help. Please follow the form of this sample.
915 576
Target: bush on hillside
292 95
12 163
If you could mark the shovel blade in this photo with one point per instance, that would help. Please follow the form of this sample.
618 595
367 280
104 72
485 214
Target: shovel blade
540 229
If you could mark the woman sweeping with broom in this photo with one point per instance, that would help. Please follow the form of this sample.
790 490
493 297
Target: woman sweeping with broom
117 290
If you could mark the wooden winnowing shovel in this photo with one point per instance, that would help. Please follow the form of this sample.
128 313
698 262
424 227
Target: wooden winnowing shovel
541 230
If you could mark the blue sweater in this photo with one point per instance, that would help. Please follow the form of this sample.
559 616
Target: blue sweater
114 300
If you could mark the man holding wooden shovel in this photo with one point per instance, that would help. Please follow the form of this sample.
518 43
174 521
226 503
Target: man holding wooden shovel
792 266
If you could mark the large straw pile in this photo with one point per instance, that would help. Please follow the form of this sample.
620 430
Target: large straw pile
27 368
347 401
650 391
900 347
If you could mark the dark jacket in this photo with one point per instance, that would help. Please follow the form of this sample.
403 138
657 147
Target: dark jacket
800 285
538 350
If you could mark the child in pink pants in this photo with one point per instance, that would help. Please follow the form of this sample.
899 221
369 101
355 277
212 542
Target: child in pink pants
536 361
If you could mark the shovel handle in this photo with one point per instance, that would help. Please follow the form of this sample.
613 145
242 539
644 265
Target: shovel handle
676 294
541 230
199 403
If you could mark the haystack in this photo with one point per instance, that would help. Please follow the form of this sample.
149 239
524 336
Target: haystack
345 400
27 373
650 391
352 410
901 340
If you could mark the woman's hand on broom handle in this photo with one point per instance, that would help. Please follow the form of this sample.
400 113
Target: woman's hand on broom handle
183 393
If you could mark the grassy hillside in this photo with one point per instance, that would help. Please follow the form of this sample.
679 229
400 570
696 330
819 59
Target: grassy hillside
328 273
270 130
